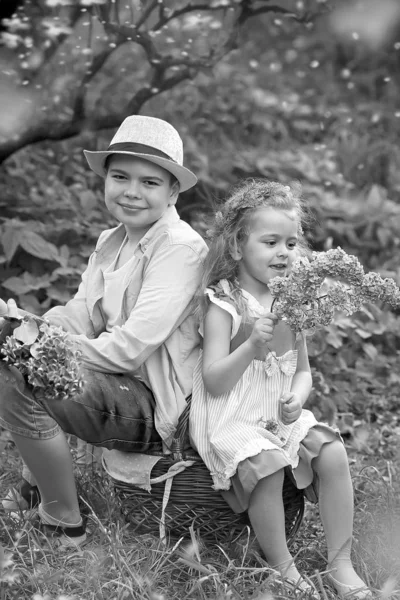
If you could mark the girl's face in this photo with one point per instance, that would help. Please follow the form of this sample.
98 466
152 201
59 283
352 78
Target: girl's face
137 192
270 247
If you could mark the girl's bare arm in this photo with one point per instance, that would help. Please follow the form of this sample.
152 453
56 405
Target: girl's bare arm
302 380
221 368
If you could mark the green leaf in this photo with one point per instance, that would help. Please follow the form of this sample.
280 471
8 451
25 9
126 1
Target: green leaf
375 198
34 244
27 332
370 350
333 339
27 283
10 240
362 333
15 236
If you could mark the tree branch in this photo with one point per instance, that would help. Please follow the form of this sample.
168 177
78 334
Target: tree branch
146 13
161 78
51 50
167 17
97 63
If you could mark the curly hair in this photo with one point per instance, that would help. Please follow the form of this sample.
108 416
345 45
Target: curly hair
231 226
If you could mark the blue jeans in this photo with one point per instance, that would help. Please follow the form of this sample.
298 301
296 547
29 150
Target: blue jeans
113 411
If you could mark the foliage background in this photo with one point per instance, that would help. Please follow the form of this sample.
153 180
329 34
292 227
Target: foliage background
314 101
297 100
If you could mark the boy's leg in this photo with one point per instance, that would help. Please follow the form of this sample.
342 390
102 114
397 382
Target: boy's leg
51 462
113 411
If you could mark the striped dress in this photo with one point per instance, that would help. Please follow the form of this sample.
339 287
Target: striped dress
245 421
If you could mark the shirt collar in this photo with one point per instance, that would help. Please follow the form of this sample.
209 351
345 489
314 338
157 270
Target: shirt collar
170 216
105 252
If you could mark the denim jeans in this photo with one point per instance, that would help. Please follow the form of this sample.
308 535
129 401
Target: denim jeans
113 411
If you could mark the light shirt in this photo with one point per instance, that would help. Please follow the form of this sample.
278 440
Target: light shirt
115 283
158 336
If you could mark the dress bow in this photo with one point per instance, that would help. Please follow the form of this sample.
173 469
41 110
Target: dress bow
286 363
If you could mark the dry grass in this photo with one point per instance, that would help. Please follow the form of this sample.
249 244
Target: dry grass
117 565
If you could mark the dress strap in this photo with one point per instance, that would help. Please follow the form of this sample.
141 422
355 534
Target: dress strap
220 295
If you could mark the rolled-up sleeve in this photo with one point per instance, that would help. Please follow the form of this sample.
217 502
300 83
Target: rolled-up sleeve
169 284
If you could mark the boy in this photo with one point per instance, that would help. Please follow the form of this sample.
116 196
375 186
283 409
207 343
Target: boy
131 319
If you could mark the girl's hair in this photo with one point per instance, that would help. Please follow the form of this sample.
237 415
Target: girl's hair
231 226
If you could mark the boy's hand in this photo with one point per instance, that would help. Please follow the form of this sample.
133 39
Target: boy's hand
263 330
291 408
9 310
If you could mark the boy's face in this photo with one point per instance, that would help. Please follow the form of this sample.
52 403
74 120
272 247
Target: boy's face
137 192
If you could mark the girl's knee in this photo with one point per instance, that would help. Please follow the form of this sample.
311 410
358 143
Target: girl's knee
273 481
333 456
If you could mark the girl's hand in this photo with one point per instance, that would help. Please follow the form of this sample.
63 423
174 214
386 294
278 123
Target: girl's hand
263 330
291 408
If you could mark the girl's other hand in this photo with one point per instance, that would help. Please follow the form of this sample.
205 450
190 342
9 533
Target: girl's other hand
263 330
291 408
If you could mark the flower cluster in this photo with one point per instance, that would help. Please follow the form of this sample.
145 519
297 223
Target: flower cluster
46 357
270 425
300 298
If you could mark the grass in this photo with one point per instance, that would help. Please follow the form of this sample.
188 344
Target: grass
117 564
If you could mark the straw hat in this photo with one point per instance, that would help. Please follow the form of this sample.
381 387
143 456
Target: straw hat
154 140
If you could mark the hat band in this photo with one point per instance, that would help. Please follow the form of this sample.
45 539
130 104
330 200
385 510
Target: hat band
138 149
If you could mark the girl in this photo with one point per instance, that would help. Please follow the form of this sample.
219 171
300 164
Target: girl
247 419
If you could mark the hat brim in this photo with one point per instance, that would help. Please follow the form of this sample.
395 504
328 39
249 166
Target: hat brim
186 178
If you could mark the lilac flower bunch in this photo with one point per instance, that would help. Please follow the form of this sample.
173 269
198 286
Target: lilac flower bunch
302 303
46 357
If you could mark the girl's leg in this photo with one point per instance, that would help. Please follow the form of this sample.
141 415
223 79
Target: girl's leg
336 510
267 516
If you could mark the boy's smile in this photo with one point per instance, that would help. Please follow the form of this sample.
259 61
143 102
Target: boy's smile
137 193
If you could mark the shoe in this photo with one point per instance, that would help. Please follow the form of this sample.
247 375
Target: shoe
301 586
21 498
350 592
64 535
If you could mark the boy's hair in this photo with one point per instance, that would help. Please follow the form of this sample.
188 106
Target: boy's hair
231 228
172 179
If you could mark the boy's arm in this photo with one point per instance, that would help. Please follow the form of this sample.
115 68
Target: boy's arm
169 284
